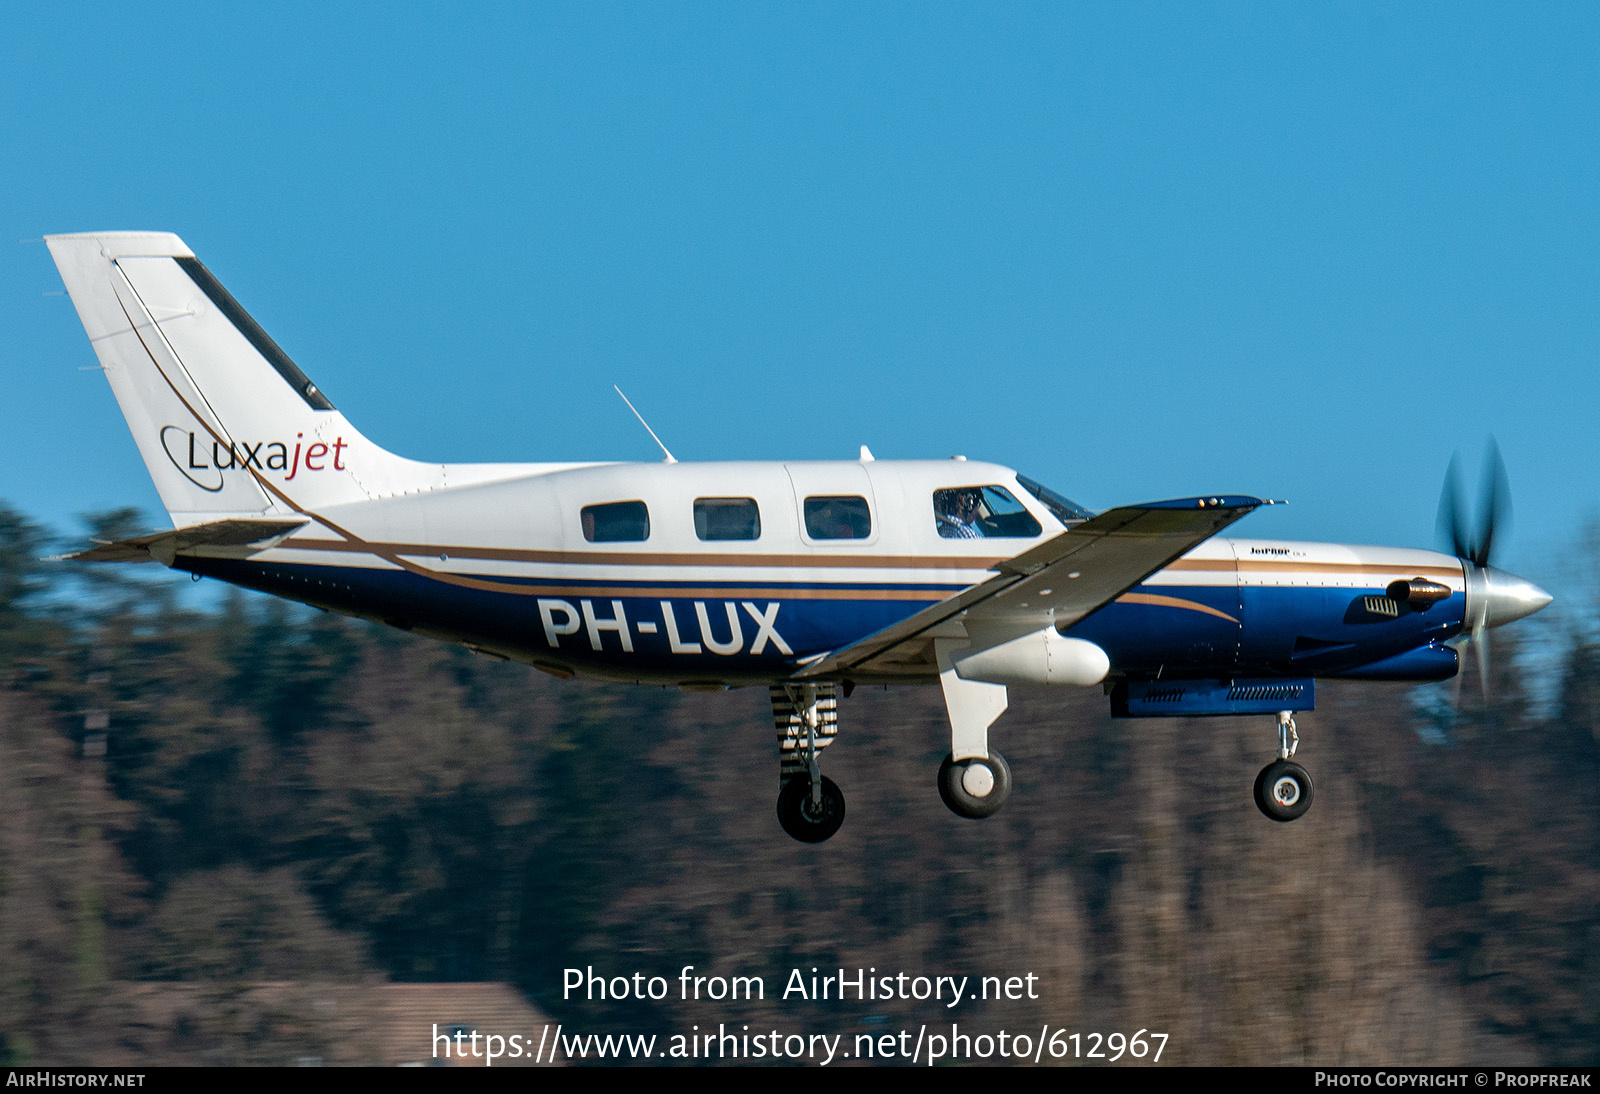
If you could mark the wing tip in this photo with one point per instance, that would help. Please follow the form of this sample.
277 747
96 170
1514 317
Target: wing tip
1209 501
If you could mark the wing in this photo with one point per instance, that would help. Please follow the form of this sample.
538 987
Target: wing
1059 581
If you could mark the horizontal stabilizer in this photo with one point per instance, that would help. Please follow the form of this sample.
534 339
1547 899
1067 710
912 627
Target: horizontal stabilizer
163 547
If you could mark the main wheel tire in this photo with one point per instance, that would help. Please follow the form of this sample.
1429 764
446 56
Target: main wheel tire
1283 790
797 816
976 787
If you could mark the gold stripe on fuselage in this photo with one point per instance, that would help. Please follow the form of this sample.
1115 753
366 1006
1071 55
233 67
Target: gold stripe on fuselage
393 551
1285 566
1173 602
829 561
640 558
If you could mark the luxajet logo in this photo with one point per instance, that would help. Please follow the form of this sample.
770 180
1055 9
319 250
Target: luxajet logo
201 459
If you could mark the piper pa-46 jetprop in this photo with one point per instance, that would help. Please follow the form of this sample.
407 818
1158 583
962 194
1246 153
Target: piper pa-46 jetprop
806 577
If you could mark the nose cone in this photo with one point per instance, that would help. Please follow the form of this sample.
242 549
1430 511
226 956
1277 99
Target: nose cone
1507 597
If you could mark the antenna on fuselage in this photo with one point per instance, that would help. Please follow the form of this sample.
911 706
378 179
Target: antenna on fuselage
670 457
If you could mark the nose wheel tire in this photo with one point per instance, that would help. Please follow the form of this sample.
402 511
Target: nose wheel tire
1283 790
805 820
976 787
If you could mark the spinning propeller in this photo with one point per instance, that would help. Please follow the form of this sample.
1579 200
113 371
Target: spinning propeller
1493 596
1494 509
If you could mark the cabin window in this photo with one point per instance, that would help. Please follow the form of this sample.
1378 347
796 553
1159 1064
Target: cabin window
727 518
617 522
838 518
981 512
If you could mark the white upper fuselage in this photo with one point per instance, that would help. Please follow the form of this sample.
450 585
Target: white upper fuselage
693 610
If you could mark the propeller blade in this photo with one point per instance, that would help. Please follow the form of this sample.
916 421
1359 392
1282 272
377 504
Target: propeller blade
1466 538
1452 523
1474 544
1494 504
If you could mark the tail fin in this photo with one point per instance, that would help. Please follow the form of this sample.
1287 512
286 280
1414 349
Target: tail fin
225 421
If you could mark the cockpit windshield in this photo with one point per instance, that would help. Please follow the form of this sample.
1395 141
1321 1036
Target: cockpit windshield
1067 512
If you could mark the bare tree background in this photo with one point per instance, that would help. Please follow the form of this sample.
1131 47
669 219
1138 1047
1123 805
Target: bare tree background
256 793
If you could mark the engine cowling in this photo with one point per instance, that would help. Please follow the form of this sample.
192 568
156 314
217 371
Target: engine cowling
1039 657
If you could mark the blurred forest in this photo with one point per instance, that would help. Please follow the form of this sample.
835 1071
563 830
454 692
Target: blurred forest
258 793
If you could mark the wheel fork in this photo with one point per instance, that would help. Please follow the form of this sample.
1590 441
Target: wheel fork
1288 736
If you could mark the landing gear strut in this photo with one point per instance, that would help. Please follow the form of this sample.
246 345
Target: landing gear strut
806 716
1283 789
974 779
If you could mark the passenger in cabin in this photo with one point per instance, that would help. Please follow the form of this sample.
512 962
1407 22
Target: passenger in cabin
830 517
833 522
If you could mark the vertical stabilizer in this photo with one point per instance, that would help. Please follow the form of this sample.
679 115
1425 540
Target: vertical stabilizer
227 424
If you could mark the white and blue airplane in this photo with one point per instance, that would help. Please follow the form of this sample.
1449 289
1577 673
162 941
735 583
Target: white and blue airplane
808 578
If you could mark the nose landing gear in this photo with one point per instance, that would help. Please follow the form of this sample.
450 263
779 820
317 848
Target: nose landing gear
1283 789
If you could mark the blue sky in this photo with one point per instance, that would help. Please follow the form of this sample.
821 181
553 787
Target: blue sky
1136 251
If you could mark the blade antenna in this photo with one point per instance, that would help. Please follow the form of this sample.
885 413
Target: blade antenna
670 457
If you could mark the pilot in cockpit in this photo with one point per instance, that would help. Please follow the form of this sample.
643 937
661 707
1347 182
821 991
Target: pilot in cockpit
957 513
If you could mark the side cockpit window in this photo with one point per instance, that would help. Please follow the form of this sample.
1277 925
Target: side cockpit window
838 518
616 522
727 518
981 512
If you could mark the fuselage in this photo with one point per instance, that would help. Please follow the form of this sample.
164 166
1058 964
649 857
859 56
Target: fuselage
732 573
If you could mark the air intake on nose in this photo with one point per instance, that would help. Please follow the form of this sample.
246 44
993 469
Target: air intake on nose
1386 606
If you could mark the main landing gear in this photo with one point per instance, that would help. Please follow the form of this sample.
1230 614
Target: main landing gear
811 810
976 787
806 716
974 779
1283 789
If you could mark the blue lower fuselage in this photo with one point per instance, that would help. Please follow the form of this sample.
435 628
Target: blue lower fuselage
750 631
